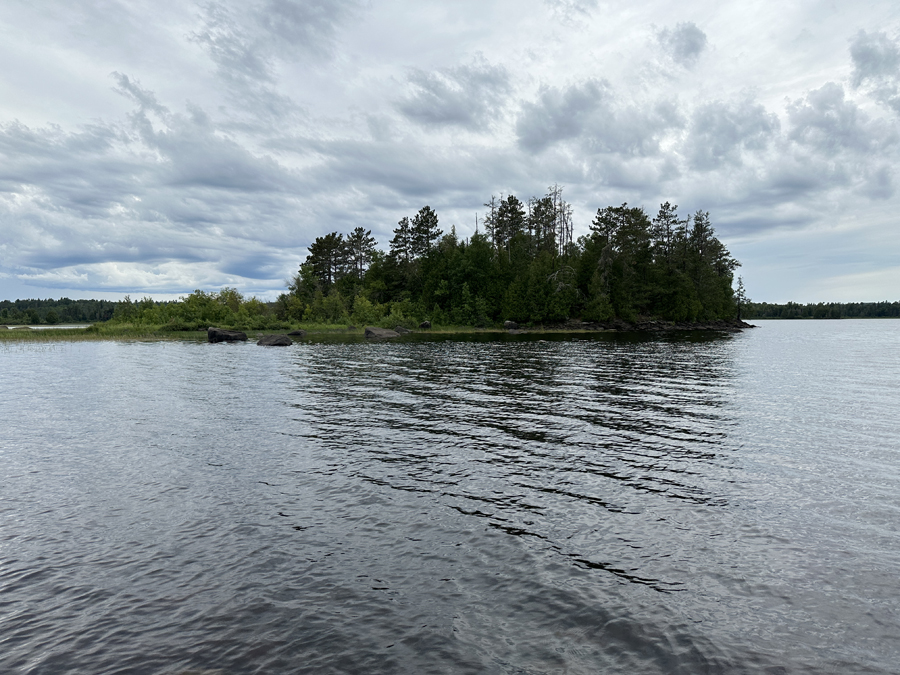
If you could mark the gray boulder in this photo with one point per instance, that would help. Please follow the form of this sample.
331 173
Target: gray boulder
274 341
510 325
223 335
425 324
400 330
372 332
298 333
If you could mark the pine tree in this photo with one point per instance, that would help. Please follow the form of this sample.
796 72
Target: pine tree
401 244
424 232
509 222
360 248
328 258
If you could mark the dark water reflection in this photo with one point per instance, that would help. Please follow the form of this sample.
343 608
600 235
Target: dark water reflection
512 505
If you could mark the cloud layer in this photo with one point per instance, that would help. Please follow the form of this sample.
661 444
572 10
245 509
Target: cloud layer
211 148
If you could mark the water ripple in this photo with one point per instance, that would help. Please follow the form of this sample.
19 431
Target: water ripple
718 504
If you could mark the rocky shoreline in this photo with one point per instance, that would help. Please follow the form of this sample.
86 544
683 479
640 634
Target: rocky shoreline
620 326
511 327
732 326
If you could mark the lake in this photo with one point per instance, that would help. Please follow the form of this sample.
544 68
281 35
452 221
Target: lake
608 503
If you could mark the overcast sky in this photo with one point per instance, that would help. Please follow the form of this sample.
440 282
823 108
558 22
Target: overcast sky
155 147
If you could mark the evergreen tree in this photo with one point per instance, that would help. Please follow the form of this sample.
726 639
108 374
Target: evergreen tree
542 224
402 243
662 232
424 232
509 223
360 249
328 258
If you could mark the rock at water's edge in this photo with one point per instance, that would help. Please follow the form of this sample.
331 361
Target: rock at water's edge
223 335
510 325
372 332
425 324
400 330
298 333
274 341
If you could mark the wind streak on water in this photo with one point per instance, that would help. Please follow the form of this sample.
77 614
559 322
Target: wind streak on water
514 505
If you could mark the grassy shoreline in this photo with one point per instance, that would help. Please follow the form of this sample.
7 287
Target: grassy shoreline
118 331
155 334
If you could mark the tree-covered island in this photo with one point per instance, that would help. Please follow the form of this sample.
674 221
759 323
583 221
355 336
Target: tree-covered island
522 266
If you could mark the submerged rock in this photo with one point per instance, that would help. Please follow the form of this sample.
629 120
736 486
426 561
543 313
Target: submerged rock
224 335
274 341
373 332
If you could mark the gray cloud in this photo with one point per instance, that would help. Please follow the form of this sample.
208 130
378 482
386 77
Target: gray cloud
468 96
239 52
683 44
164 186
305 26
244 38
876 64
827 121
571 10
247 42
589 112
559 115
879 182
720 133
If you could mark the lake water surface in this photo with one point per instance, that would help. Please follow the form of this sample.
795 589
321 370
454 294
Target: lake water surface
575 504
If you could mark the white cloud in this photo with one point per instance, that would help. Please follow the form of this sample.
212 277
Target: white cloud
683 44
876 66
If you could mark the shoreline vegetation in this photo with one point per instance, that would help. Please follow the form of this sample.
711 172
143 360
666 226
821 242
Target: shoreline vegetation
630 272
119 331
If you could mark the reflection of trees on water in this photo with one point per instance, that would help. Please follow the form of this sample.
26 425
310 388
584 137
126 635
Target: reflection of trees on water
544 439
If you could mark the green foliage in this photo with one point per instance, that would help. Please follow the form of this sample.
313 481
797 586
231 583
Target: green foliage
524 267
227 308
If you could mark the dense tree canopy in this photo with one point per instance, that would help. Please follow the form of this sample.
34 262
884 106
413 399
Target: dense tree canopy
523 267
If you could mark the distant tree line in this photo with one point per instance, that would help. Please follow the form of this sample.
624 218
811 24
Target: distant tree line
523 266
51 311
822 310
